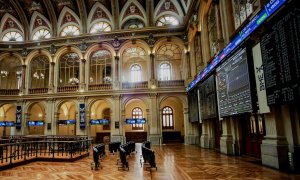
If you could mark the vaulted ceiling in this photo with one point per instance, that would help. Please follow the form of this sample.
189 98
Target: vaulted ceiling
28 15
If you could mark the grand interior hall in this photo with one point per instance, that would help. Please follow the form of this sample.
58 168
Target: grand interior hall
149 89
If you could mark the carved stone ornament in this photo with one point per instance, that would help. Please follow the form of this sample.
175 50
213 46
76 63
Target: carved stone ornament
116 43
83 46
167 5
151 40
52 49
24 52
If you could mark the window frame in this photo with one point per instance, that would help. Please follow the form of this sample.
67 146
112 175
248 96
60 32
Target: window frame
169 117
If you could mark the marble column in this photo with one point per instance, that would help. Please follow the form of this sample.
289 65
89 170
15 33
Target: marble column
116 80
274 147
155 135
51 78
82 76
226 142
204 140
117 121
23 79
188 57
49 116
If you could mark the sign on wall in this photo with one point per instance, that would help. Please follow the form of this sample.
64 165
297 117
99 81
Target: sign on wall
19 117
260 80
82 116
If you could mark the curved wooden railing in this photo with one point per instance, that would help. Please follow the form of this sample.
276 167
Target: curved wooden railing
171 83
68 88
95 87
38 90
9 91
137 85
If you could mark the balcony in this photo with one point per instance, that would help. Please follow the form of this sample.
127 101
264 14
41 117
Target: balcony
38 90
171 83
68 88
137 85
100 87
10 92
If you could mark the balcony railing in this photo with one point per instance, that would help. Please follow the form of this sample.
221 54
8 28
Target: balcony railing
137 85
68 88
9 91
14 153
171 83
38 90
97 87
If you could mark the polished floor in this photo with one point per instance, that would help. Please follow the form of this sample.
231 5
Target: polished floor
174 161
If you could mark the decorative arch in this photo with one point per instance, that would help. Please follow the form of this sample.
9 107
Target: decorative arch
127 100
41 104
72 20
161 9
92 101
94 47
35 53
5 54
36 25
129 43
138 13
174 40
106 16
61 102
60 52
181 98
16 24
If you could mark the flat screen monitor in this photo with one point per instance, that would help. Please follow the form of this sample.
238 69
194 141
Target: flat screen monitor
2 124
103 121
71 121
130 121
94 122
9 123
39 123
140 121
31 123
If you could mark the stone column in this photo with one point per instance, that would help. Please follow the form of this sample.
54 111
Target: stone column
226 142
152 66
51 77
82 75
117 81
204 141
49 116
274 147
54 128
188 57
23 88
116 120
155 135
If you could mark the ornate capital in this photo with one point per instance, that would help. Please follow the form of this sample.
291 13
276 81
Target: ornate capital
83 60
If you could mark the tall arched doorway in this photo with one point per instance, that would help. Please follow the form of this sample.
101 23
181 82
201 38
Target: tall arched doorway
36 120
100 121
135 130
7 119
66 123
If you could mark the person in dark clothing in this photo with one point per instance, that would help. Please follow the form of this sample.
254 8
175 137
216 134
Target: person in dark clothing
96 157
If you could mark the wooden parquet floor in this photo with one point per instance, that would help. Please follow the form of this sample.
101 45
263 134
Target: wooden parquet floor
174 161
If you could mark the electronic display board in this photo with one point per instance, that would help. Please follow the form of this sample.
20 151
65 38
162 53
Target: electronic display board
233 85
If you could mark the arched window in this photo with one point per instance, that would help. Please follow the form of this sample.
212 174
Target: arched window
170 54
212 31
137 113
242 9
39 70
41 34
69 70
165 71
11 73
100 27
136 73
133 24
167 20
12 36
100 67
70 31
167 115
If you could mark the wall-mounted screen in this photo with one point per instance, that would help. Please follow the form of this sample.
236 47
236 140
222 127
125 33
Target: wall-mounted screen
9 123
66 122
233 85
281 57
2 124
135 121
208 103
35 123
99 121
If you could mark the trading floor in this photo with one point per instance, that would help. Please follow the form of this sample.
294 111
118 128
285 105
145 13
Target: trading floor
174 161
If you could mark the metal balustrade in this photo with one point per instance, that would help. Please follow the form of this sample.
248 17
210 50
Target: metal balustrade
38 90
136 85
171 83
95 87
50 148
9 91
